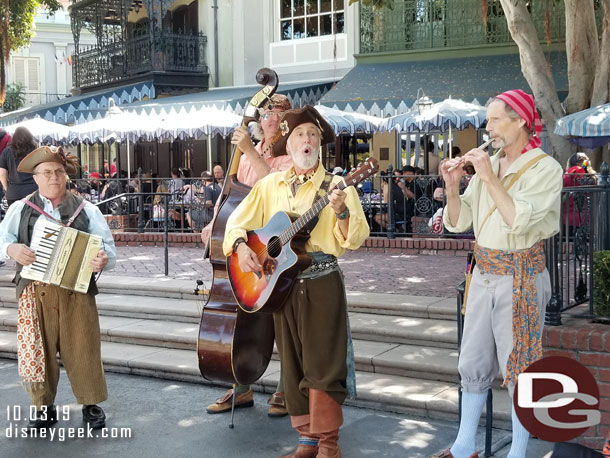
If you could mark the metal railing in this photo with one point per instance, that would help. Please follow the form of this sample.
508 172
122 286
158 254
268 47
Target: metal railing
152 204
165 197
408 210
585 229
158 51
434 24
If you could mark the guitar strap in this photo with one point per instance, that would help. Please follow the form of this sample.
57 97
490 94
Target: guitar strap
328 178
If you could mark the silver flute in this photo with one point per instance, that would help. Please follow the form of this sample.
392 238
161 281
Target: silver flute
483 146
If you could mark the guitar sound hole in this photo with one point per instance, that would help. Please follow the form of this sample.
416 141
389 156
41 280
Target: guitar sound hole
274 247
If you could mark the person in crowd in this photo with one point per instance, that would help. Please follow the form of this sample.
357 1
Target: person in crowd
433 159
17 184
398 202
105 173
311 328
201 199
56 320
113 168
219 175
513 204
578 173
5 139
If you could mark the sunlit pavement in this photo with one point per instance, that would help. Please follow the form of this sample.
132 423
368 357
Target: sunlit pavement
416 275
168 419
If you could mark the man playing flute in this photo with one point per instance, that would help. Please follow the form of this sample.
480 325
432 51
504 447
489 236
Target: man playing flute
513 204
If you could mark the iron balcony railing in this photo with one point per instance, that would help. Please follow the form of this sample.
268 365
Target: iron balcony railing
438 24
159 51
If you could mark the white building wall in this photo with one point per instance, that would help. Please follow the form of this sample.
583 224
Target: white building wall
257 37
44 65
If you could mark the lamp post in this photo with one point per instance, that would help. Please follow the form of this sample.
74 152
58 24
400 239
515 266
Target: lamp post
424 103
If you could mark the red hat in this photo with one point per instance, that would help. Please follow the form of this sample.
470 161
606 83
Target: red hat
525 106
94 175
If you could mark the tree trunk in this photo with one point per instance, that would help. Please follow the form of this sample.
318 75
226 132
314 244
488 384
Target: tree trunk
582 49
536 73
601 84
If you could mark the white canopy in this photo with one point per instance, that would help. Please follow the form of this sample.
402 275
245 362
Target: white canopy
454 112
344 122
42 130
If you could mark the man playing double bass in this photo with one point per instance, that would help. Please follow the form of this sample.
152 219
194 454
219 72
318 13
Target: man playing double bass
256 163
311 328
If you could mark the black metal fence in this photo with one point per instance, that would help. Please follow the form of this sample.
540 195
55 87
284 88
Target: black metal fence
405 205
145 204
585 229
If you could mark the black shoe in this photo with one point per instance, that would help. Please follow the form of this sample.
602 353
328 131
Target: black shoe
44 418
95 416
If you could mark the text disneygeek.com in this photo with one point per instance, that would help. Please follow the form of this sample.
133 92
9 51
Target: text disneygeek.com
18 428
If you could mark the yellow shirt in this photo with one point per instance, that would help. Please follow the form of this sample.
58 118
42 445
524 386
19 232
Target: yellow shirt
273 194
537 198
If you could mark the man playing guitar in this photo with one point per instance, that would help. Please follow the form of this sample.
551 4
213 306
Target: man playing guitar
311 327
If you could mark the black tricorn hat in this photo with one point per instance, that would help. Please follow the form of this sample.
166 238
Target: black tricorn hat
294 118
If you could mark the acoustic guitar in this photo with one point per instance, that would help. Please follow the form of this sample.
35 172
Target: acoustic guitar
280 247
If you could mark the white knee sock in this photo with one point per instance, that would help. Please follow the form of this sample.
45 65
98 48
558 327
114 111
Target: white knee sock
520 438
472 406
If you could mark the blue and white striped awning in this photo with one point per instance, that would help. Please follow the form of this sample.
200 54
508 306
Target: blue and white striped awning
592 122
438 117
74 109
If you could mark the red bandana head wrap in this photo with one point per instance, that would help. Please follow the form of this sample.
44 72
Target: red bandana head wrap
524 106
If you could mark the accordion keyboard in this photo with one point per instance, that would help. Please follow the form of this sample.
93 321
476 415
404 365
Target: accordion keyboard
63 256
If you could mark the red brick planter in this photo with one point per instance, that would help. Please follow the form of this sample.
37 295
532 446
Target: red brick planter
429 246
588 343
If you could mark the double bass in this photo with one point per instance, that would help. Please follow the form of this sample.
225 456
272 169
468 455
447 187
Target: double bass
234 346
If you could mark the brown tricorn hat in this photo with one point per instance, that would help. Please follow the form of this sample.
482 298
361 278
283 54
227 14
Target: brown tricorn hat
48 154
293 118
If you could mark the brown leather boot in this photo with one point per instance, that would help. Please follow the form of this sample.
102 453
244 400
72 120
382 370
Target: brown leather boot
308 443
326 416
303 451
223 404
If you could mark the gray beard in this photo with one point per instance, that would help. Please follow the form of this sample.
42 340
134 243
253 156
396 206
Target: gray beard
305 162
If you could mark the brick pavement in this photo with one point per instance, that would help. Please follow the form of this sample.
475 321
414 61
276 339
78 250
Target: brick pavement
418 275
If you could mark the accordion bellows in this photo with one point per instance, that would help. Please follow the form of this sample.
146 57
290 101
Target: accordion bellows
63 256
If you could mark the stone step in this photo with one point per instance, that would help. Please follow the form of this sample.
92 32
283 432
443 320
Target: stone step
135 297
372 355
387 392
183 335
131 306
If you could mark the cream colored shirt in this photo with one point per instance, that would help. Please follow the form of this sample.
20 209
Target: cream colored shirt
273 193
536 195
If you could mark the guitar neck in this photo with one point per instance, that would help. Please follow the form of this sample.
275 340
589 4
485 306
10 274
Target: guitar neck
306 217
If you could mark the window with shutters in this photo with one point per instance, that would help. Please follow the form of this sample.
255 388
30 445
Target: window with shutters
27 73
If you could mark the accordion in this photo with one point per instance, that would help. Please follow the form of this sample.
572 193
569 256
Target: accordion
63 256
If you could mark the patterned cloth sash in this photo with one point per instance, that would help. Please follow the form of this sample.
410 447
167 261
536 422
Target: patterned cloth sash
523 266
30 348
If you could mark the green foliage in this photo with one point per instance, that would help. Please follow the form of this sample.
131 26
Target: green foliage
601 283
15 98
389 4
21 20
